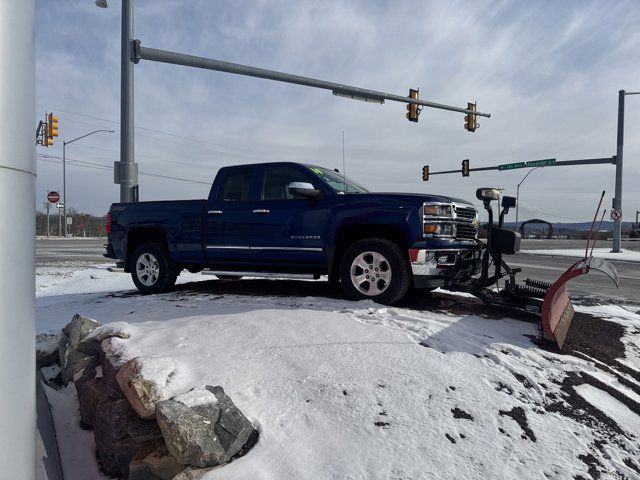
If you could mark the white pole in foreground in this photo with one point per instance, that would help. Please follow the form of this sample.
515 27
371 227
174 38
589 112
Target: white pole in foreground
17 239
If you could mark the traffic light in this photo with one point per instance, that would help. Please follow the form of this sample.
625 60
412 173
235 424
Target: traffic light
425 173
470 119
412 108
465 168
51 130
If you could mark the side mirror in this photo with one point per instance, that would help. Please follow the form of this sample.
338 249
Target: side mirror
303 189
508 202
488 194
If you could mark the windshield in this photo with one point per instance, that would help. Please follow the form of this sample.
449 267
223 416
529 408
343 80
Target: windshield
336 181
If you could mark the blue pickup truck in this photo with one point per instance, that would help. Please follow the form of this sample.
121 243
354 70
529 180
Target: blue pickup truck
294 220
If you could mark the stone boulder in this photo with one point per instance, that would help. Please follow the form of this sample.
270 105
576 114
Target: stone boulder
90 393
111 362
47 347
113 421
91 343
204 428
72 358
159 464
192 473
142 392
73 361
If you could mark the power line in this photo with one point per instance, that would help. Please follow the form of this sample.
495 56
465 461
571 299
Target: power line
101 166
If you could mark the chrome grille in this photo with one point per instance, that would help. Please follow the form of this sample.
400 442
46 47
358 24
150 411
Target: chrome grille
466 231
465 223
465 213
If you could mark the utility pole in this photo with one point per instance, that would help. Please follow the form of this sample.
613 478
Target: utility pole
518 195
617 201
47 205
17 241
64 173
129 190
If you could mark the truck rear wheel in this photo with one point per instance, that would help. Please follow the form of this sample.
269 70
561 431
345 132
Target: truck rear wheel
152 269
375 269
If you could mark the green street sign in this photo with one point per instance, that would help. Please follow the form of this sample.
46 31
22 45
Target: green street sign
533 163
542 163
511 166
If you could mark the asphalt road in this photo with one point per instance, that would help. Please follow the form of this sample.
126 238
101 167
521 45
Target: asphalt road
84 250
546 268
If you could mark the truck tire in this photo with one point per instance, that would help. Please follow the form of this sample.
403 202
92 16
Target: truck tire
375 269
152 269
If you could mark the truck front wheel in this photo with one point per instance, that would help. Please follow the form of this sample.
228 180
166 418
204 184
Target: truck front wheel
375 269
151 268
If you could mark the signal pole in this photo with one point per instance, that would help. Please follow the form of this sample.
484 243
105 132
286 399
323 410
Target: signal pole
617 201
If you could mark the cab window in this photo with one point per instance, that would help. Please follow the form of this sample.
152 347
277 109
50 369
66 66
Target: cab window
276 180
236 186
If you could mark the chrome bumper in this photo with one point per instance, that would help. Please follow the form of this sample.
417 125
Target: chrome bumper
443 263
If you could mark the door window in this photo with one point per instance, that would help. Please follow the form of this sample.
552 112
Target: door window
275 184
236 186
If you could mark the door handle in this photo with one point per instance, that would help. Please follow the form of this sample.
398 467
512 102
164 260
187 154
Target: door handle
215 212
261 210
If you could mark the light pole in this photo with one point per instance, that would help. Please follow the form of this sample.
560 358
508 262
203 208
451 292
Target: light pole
518 194
64 173
617 200
128 172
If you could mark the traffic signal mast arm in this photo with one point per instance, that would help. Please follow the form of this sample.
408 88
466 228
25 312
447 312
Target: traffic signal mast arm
357 93
534 163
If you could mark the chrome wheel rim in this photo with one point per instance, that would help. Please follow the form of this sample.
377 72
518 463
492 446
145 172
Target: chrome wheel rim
147 269
371 273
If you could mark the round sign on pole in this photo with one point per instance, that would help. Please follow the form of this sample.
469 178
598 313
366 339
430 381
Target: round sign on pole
53 197
616 214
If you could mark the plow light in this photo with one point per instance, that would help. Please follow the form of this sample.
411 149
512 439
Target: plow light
488 194
437 211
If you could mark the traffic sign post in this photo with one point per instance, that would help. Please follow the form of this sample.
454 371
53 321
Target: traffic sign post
616 214
53 197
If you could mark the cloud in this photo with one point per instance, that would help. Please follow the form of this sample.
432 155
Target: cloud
548 72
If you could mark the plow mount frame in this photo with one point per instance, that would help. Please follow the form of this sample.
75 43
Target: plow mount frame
548 301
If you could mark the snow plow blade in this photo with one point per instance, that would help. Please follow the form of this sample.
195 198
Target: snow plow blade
557 309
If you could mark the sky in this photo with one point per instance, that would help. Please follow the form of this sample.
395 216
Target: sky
548 73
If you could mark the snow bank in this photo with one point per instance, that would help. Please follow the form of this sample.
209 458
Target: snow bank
355 390
624 255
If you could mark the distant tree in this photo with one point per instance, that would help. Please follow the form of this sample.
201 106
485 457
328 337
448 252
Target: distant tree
82 224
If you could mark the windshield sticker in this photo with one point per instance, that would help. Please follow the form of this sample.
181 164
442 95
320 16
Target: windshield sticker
317 171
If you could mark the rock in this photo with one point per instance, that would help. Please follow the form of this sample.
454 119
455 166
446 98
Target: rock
78 329
138 470
144 393
47 347
192 473
112 422
90 394
235 432
162 464
73 361
205 434
144 431
128 449
111 362
91 342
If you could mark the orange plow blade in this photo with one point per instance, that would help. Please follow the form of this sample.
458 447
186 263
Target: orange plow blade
557 309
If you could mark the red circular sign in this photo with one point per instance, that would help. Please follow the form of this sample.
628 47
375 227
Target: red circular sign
53 197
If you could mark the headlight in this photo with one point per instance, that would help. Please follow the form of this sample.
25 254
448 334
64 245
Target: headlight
440 229
437 210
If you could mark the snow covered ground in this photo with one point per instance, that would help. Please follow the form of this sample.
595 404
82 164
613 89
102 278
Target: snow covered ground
623 256
355 390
